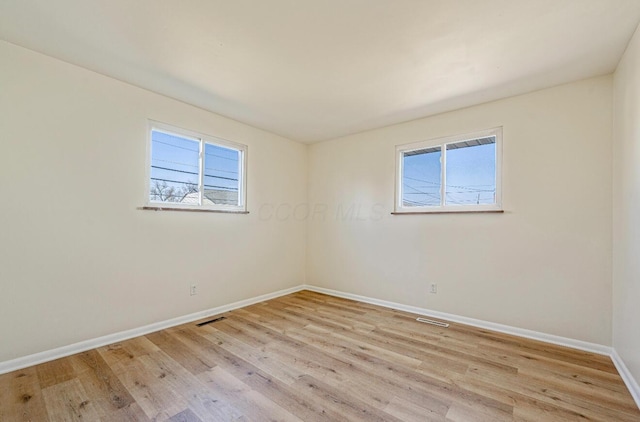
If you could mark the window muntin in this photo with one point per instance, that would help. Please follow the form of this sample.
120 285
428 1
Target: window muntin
191 170
458 173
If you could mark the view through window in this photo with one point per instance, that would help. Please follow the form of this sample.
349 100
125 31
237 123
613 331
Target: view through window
450 173
194 171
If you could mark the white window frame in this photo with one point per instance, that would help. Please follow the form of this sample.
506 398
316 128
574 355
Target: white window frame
202 139
399 208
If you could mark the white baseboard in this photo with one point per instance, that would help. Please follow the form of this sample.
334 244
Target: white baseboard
507 329
60 352
625 374
628 379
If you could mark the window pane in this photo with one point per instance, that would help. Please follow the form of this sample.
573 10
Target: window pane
221 170
421 177
471 172
174 168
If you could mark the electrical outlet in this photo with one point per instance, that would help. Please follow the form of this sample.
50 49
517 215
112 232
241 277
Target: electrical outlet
434 288
193 290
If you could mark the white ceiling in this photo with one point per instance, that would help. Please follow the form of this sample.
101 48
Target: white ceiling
315 70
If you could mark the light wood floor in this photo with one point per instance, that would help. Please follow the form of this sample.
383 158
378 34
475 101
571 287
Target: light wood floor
308 357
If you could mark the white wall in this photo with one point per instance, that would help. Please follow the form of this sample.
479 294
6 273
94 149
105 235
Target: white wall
626 208
77 258
544 265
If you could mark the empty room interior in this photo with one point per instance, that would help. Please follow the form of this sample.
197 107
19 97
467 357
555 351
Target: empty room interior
357 210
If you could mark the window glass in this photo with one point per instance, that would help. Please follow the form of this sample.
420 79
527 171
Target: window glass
174 169
221 170
421 183
191 170
471 172
453 174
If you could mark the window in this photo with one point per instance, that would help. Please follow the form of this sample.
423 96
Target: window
454 174
188 170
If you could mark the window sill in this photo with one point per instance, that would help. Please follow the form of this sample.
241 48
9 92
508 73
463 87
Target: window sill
154 208
448 212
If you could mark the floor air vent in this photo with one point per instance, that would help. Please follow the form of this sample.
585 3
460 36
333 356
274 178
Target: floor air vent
200 324
432 322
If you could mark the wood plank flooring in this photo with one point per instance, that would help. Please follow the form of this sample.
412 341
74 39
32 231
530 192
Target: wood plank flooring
311 357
